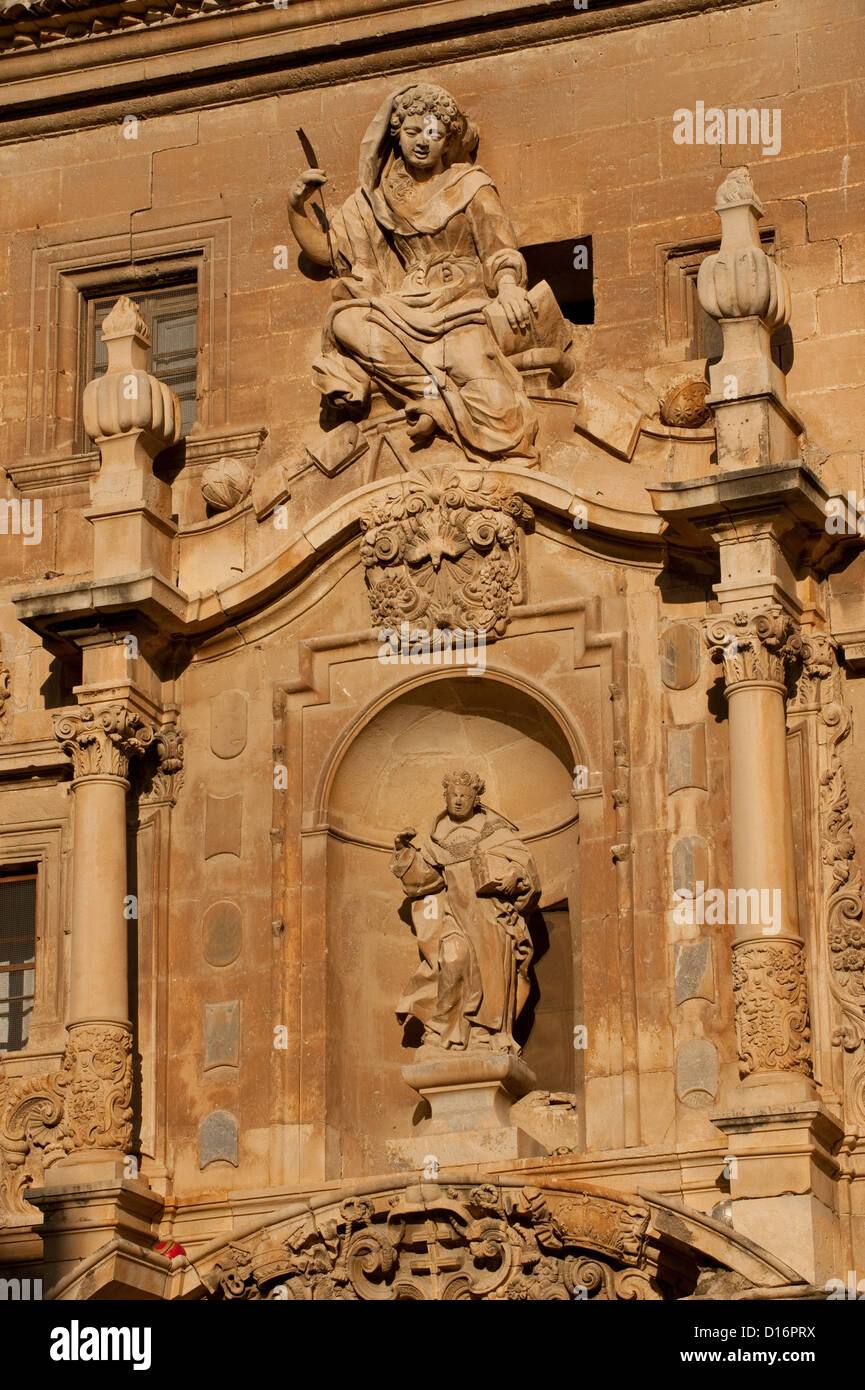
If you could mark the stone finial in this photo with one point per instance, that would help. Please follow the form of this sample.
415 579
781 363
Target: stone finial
741 281
128 397
737 190
124 321
747 292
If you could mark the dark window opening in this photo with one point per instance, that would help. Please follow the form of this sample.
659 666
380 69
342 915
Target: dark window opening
171 314
568 270
17 958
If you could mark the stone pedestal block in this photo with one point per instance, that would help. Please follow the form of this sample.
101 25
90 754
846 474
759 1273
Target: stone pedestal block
468 1091
470 1097
782 1172
81 1217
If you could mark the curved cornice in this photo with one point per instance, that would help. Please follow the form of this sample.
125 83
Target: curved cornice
181 55
191 616
696 1234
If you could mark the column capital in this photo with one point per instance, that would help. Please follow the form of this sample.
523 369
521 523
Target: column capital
101 739
753 647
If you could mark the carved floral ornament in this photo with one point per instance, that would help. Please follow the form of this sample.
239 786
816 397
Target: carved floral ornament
460 1242
772 1022
754 646
86 1105
101 740
820 689
442 550
162 780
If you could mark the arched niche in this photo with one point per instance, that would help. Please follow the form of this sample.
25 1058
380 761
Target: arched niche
387 777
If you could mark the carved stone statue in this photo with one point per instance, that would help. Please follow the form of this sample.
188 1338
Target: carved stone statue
471 883
430 298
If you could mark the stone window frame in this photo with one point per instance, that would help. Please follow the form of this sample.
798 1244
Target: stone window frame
40 848
678 267
65 274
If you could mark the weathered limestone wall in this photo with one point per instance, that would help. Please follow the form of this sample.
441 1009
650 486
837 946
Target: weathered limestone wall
279 910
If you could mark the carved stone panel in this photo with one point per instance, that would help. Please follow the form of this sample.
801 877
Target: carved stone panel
218 1138
443 551
772 1021
430 1243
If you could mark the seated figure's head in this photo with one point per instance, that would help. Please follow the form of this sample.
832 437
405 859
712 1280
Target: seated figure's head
428 126
463 791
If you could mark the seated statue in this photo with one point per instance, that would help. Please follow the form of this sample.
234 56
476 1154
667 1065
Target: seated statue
430 293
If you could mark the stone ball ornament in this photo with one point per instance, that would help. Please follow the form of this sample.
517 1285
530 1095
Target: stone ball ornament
683 403
225 483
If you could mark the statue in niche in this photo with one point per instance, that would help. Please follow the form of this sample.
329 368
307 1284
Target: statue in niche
472 884
430 299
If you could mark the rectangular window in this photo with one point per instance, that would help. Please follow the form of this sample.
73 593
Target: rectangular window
17 958
568 270
171 314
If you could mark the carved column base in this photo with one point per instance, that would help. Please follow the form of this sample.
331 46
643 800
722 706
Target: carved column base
469 1095
95 1084
773 1029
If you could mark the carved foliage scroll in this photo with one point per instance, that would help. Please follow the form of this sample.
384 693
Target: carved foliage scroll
842 904
754 646
453 1243
101 739
443 551
772 1022
85 1105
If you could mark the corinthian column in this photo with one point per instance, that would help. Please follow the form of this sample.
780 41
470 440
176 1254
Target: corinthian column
772 1023
96 1077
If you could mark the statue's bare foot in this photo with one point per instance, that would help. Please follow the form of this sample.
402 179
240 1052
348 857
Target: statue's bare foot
422 429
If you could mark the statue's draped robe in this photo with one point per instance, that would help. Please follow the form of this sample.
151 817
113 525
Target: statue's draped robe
419 263
475 950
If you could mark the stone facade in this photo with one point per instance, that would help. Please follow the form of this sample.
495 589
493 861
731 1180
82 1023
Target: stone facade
440 765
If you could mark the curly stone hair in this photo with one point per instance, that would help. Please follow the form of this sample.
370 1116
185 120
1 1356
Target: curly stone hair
464 779
423 98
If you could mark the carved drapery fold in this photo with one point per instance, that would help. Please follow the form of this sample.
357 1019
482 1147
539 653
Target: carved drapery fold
754 646
773 1029
5 694
101 739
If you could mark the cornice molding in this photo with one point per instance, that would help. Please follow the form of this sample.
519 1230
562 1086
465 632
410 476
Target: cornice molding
172 57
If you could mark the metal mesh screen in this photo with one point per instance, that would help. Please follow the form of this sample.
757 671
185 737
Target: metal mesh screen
17 959
171 314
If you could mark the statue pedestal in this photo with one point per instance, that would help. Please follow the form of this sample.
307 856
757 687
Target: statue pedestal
470 1097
